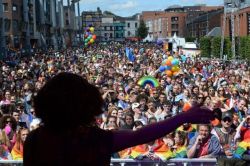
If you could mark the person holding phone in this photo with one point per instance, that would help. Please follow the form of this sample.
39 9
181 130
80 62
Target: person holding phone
203 144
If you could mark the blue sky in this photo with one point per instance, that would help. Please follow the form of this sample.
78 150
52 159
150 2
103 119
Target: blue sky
130 7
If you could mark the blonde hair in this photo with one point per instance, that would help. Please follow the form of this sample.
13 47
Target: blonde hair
4 138
19 141
111 109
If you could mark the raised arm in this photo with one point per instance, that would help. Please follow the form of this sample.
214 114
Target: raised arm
123 139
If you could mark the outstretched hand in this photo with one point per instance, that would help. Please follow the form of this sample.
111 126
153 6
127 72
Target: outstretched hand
199 115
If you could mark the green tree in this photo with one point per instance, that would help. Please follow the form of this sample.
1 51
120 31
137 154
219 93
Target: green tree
215 46
247 48
205 46
142 30
227 47
242 47
190 39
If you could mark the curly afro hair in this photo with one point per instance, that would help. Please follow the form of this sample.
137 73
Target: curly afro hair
68 101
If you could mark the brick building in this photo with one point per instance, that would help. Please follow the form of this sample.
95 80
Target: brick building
15 30
181 20
162 24
242 23
201 25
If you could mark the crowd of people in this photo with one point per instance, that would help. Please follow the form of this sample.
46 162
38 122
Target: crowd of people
222 86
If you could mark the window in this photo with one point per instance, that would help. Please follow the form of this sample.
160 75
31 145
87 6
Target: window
67 22
105 34
5 7
105 28
129 33
14 8
31 28
174 26
14 25
66 14
128 25
136 24
174 18
7 25
111 35
175 32
117 35
111 28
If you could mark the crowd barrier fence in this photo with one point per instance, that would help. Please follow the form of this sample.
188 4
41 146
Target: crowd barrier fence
131 162
171 162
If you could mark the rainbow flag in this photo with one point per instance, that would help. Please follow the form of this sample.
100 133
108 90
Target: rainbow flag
160 150
163 152
139 150
242 148
124 154
17 153
181 152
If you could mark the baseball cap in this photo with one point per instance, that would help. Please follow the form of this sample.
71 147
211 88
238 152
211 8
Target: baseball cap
135 105
227 115
203 79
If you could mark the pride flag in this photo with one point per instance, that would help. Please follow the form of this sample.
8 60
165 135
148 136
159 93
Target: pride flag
243 146
130 55
159 149
139 150
163 152
180 152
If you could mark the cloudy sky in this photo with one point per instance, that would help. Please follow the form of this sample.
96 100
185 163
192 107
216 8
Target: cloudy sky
130 7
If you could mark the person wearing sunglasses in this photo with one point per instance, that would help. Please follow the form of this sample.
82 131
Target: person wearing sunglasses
226 134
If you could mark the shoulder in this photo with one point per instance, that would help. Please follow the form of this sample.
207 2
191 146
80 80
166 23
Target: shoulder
193 139
214 138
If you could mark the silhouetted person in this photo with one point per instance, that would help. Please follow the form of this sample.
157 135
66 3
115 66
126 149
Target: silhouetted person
68 105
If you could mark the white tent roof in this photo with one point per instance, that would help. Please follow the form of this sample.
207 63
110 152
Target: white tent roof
189 45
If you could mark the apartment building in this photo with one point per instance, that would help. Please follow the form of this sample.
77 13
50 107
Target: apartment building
241 15
204 23
162 24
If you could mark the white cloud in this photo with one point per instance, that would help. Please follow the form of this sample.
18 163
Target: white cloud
94 2
126 5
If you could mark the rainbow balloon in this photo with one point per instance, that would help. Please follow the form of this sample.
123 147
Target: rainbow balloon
148 80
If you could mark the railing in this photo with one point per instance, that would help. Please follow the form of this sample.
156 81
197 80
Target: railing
11 162
131 162
171 162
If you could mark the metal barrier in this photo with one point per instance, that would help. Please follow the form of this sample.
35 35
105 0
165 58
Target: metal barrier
11 162
131 162
171 162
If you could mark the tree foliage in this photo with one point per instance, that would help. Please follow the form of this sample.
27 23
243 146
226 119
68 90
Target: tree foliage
211 46
142 30
215 47
205 46
227 47
190 39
